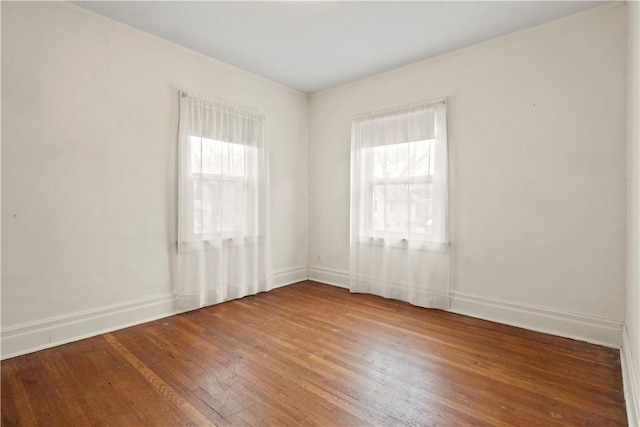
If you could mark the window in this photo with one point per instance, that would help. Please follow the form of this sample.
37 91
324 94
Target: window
402 188
399 174
219 185
223 174
224 245
399 203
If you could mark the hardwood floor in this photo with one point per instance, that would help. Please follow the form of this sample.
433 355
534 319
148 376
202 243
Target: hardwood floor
312 354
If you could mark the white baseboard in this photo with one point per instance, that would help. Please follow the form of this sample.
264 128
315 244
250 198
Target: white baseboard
287 276
26 338
630 381
584 328
603 332
30 337
329 276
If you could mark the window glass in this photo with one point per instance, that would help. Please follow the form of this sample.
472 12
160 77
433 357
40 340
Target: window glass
402 199
403 160
218 173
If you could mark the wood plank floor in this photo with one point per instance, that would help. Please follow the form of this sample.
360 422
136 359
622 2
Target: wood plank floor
312 354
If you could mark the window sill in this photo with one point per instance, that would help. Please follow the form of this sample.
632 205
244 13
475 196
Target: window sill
215 243
401 243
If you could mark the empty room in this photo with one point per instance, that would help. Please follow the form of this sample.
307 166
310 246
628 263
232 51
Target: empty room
335 213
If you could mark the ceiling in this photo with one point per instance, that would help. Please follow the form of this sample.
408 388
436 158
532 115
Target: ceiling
312 46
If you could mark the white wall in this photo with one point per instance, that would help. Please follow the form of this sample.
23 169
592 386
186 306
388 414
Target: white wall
90 112
537 140
631 344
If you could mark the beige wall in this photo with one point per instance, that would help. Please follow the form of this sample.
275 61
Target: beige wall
537 151
89 114
631 354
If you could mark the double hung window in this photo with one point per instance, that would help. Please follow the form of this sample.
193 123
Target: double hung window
401 188
399 175
223 173
223 211
399 241
219 185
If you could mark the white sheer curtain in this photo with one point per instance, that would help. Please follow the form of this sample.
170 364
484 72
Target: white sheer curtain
399 204
223 234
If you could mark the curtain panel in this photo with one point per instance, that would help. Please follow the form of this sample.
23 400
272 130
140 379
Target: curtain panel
399 242
224 246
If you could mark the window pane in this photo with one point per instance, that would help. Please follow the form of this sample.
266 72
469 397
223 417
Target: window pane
225 156
211 212
219 206
379 161
214 157
233 206
237 160
402 208
396 209
393 159
391 207
419 158
211 156
421 208
403 160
